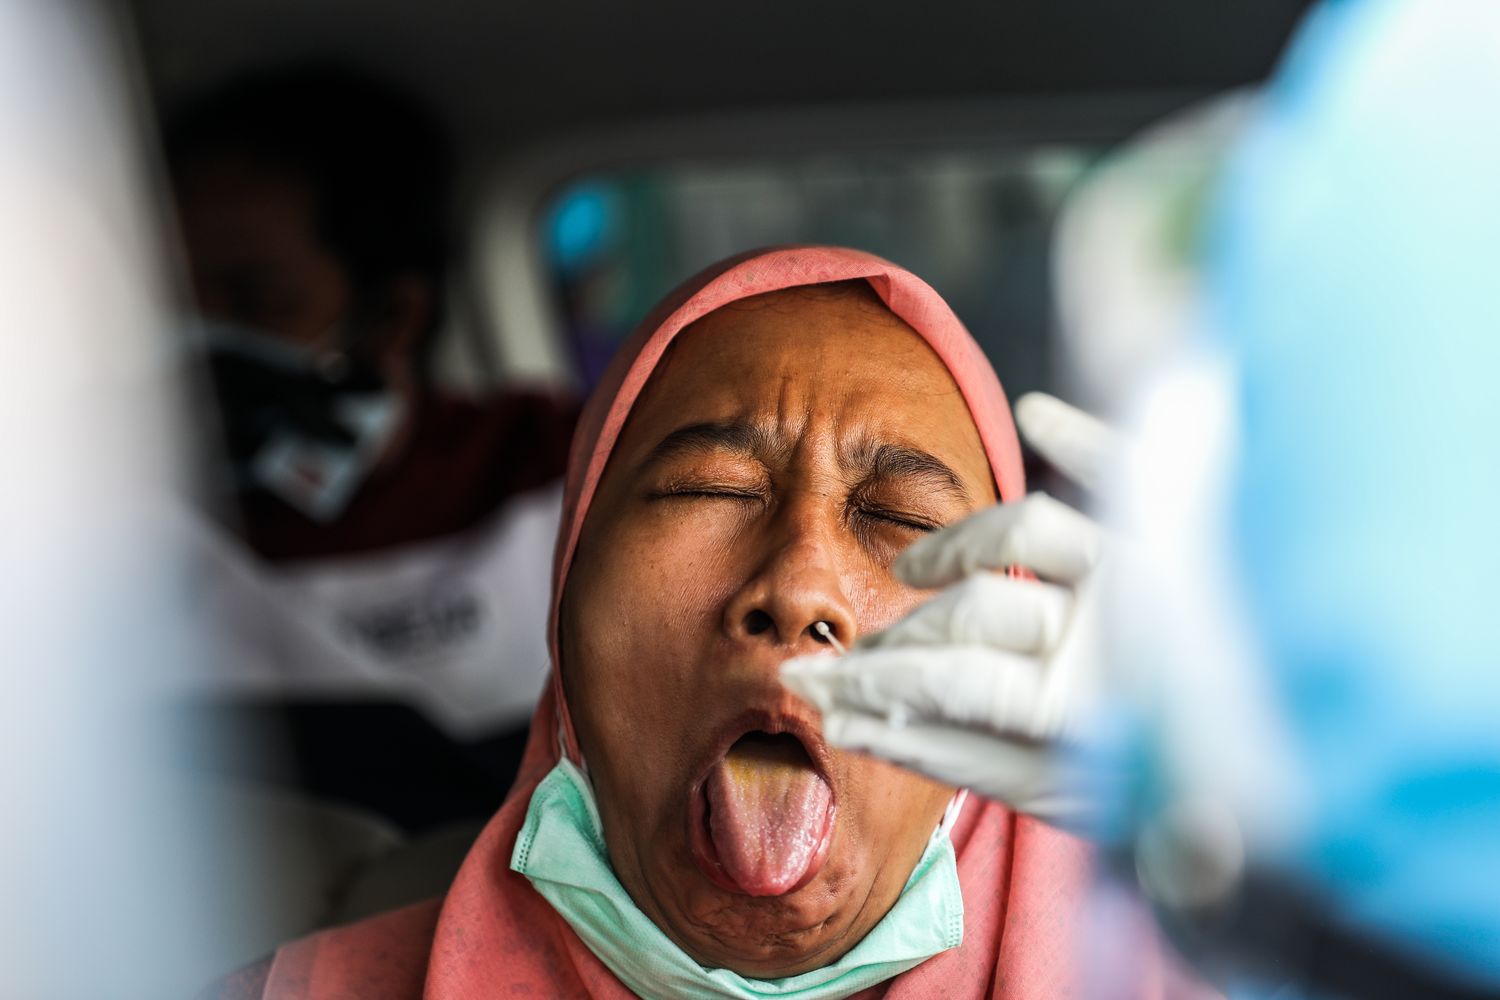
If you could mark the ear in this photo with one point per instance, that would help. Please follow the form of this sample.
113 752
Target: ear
404 318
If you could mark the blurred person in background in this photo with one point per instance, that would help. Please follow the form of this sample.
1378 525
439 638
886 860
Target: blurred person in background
381 542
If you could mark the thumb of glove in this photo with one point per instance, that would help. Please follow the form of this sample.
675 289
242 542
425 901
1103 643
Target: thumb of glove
1078 444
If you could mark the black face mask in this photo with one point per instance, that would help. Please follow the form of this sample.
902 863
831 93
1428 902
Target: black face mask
302 425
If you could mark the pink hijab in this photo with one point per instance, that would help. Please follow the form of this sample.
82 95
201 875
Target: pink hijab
493 936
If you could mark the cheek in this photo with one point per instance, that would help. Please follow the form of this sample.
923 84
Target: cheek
650 590
879 599
640 602
897 809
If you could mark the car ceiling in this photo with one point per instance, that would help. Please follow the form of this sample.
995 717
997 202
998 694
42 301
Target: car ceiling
508 73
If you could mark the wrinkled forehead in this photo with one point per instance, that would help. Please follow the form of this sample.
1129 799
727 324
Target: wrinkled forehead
824 359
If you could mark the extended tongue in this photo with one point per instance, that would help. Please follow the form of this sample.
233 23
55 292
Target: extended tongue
769 814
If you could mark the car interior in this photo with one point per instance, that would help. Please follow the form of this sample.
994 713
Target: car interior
605 152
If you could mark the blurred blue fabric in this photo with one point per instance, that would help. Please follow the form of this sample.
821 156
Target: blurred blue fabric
1354 270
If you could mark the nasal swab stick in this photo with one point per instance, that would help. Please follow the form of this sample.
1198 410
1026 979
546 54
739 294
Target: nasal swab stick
895 715
822 629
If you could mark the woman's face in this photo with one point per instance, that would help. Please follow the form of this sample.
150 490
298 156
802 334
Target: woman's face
782 455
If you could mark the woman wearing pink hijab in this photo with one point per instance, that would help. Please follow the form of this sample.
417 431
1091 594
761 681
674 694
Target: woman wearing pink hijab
756 456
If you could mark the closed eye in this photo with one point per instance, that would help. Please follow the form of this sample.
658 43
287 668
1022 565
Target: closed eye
706 492
901 520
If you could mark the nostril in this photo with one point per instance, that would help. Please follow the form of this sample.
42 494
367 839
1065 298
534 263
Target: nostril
757 622
822 631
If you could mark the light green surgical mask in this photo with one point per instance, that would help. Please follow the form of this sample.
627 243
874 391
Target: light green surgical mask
561 850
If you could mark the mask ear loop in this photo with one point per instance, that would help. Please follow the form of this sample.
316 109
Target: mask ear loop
562 743
955 806
951 813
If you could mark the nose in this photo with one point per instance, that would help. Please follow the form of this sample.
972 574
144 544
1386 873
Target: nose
796 586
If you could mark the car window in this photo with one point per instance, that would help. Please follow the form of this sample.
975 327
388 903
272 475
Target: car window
974 222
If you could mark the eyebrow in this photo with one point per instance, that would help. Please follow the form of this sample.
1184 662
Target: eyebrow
872 462
734 436
894 461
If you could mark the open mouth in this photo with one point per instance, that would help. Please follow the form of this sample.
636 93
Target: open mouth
762 817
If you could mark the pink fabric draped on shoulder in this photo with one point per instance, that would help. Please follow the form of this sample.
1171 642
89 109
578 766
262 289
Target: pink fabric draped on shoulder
493 936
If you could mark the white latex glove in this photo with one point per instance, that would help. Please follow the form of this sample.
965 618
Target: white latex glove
984 685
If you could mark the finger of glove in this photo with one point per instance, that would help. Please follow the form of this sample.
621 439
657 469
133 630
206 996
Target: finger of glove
1046 536
1023 616
1077 444
1022 775
960 685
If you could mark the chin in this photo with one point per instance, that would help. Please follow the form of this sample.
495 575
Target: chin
770 937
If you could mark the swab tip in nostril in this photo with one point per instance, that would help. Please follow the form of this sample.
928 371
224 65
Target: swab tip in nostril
822 628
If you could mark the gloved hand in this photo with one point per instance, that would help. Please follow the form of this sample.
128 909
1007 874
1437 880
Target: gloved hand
984 685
